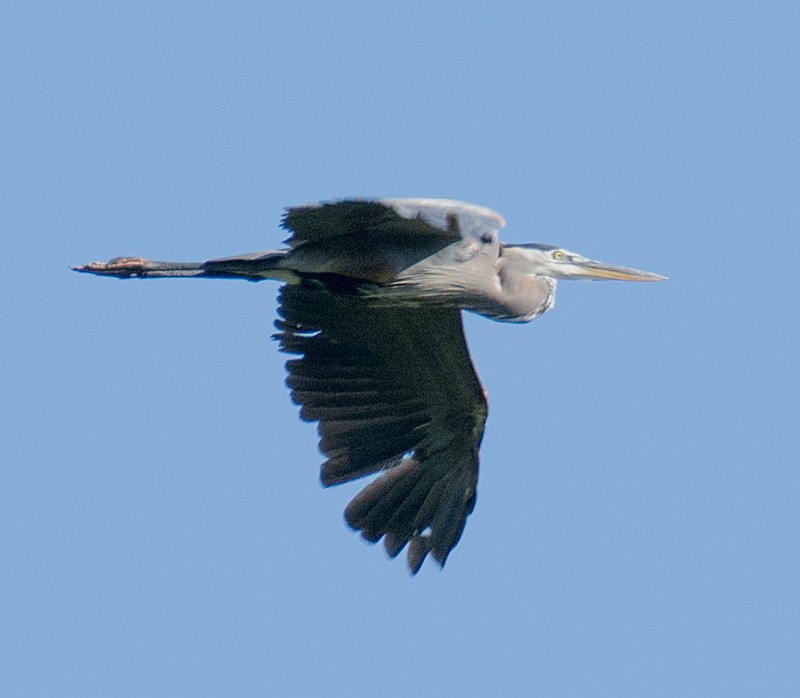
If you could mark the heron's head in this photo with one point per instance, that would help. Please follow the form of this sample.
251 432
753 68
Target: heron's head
558 263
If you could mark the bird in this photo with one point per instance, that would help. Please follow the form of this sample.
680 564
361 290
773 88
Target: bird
371 309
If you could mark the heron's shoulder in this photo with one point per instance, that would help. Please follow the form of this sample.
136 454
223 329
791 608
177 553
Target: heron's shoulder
411 216
465 219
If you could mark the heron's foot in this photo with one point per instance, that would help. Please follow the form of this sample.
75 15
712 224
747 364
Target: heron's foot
122 267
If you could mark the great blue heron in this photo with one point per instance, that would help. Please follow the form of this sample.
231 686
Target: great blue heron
372 303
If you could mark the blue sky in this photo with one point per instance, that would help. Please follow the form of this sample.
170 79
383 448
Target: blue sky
162 526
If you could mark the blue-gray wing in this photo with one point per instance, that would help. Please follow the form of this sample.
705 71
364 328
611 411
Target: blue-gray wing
437 217
393 389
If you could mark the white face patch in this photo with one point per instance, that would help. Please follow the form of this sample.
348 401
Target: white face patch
575 257
563 256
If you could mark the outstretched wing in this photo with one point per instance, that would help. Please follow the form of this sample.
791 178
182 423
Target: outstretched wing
393 389
438 217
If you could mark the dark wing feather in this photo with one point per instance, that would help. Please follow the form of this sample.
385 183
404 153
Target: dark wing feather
438 217
393 389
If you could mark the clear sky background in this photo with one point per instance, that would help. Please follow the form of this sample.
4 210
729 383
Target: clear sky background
162 527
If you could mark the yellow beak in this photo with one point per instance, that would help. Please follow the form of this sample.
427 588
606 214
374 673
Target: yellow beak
600 270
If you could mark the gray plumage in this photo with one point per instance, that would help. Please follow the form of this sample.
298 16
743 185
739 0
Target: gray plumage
371 305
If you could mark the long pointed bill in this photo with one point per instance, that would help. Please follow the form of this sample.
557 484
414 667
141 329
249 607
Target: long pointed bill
599 270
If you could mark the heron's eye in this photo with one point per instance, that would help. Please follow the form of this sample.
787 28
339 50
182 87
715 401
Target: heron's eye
558 254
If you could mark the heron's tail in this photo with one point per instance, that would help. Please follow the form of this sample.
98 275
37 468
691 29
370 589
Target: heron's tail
254 266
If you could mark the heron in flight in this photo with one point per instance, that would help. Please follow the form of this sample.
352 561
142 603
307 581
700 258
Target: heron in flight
371 304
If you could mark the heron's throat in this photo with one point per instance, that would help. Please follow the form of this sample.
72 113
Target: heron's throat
521 298
550 300
541 293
